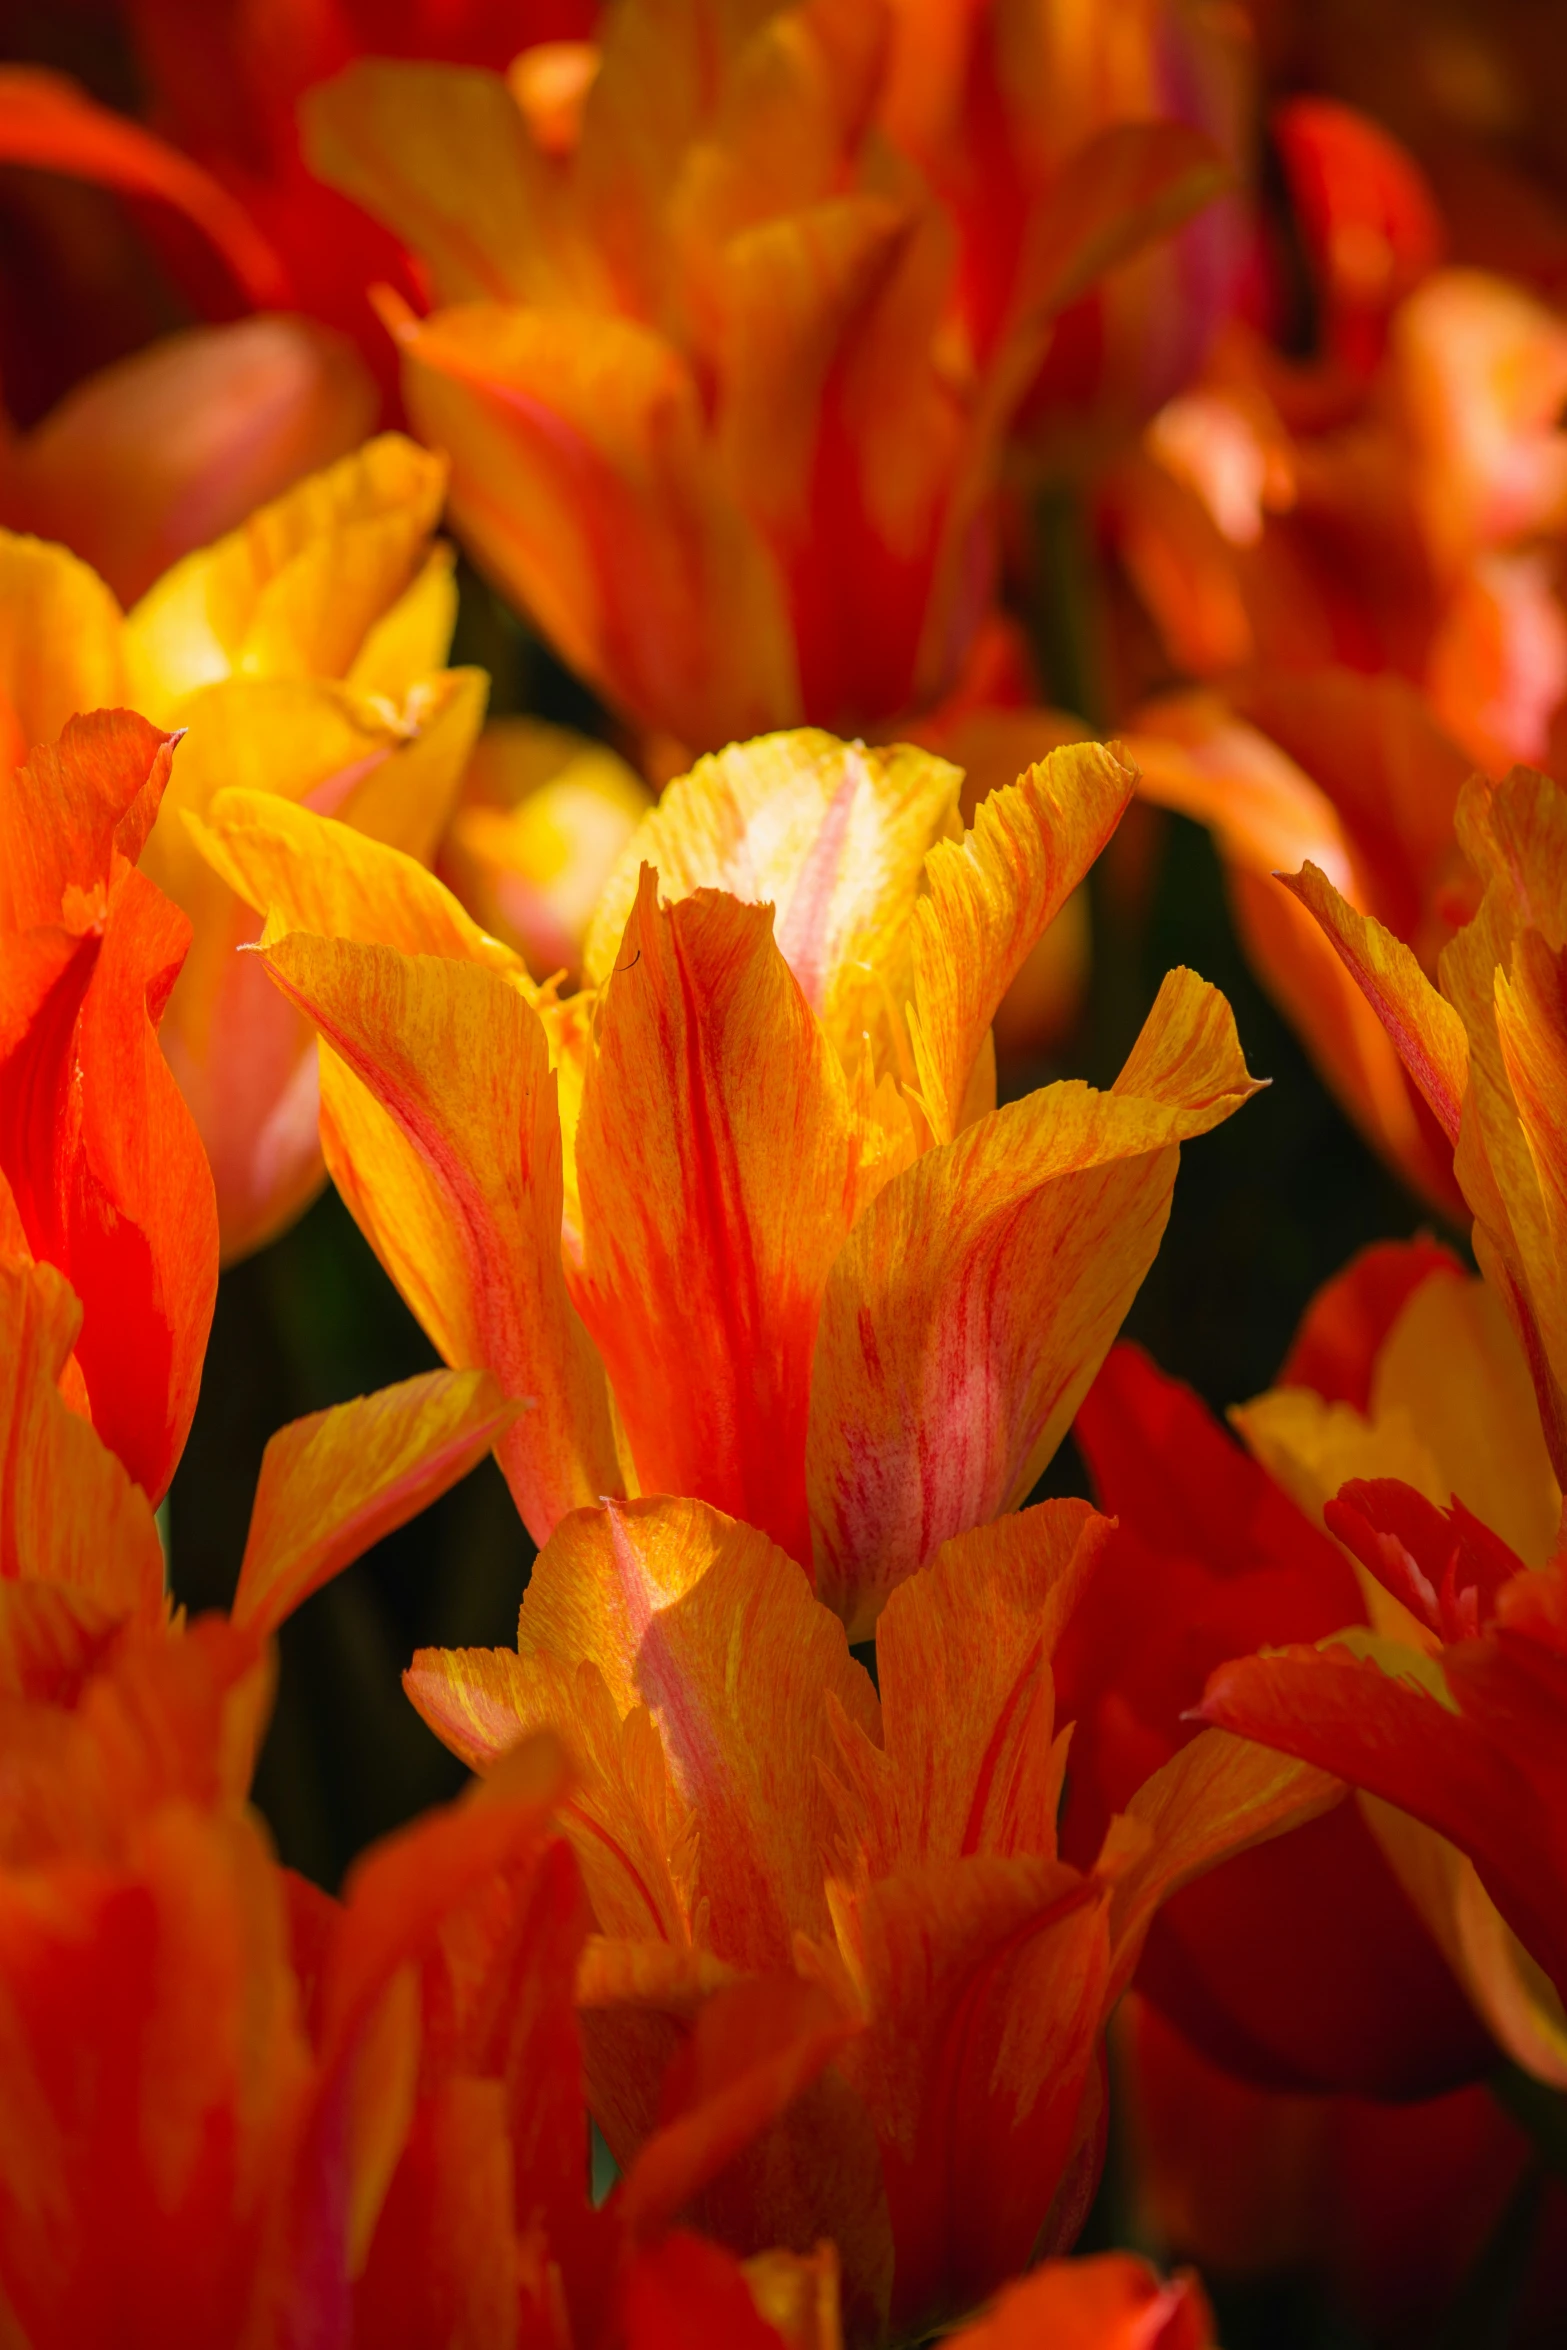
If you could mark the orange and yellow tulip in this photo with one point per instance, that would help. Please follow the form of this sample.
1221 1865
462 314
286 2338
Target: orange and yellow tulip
302 653
713 413
752 1186
749 1812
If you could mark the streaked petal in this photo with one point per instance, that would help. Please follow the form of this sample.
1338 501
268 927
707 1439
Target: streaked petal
833 835
334 1483
440 1127
582 483
719 1176
977 1296
990 899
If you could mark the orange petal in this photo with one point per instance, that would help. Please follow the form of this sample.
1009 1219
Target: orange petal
59 644
47 122
983 1983
334 1483
440 1127
244 1057
583 483
104 1165
171 448
1427 1031
295 591
963 1664
991 898
977 1296
1107 2302
684 2291
443 156
69 1514
718 1177
834 835
705 1623
176 2171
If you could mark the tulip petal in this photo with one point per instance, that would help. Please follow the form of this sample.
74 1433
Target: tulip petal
296 590
991 898
582 482
105 1169
963 1664
984 1980
978 1295
719 1176
440 1128
334 1483
59 644
443 156
69 1514
1427 1031
1109 2301
833 835
47 122
1358 1709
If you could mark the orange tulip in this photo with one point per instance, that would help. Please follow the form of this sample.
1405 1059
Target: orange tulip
301 653
713 414
747 1812
754 1184
102 1173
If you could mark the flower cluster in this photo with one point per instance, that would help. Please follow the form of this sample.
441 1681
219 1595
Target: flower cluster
918 475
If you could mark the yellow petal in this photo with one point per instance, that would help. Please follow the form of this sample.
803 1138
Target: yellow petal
832 834
59 644
412 639
69 1514
440 1128
244 1058
991 898
719 1176
313 873
334 1483
1427 1031
295 591
978 1294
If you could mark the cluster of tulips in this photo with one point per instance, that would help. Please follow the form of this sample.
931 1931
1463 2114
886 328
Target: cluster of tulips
936 440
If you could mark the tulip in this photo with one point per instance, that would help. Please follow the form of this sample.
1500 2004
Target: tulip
302 652
753 1184
713 417
748 1809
